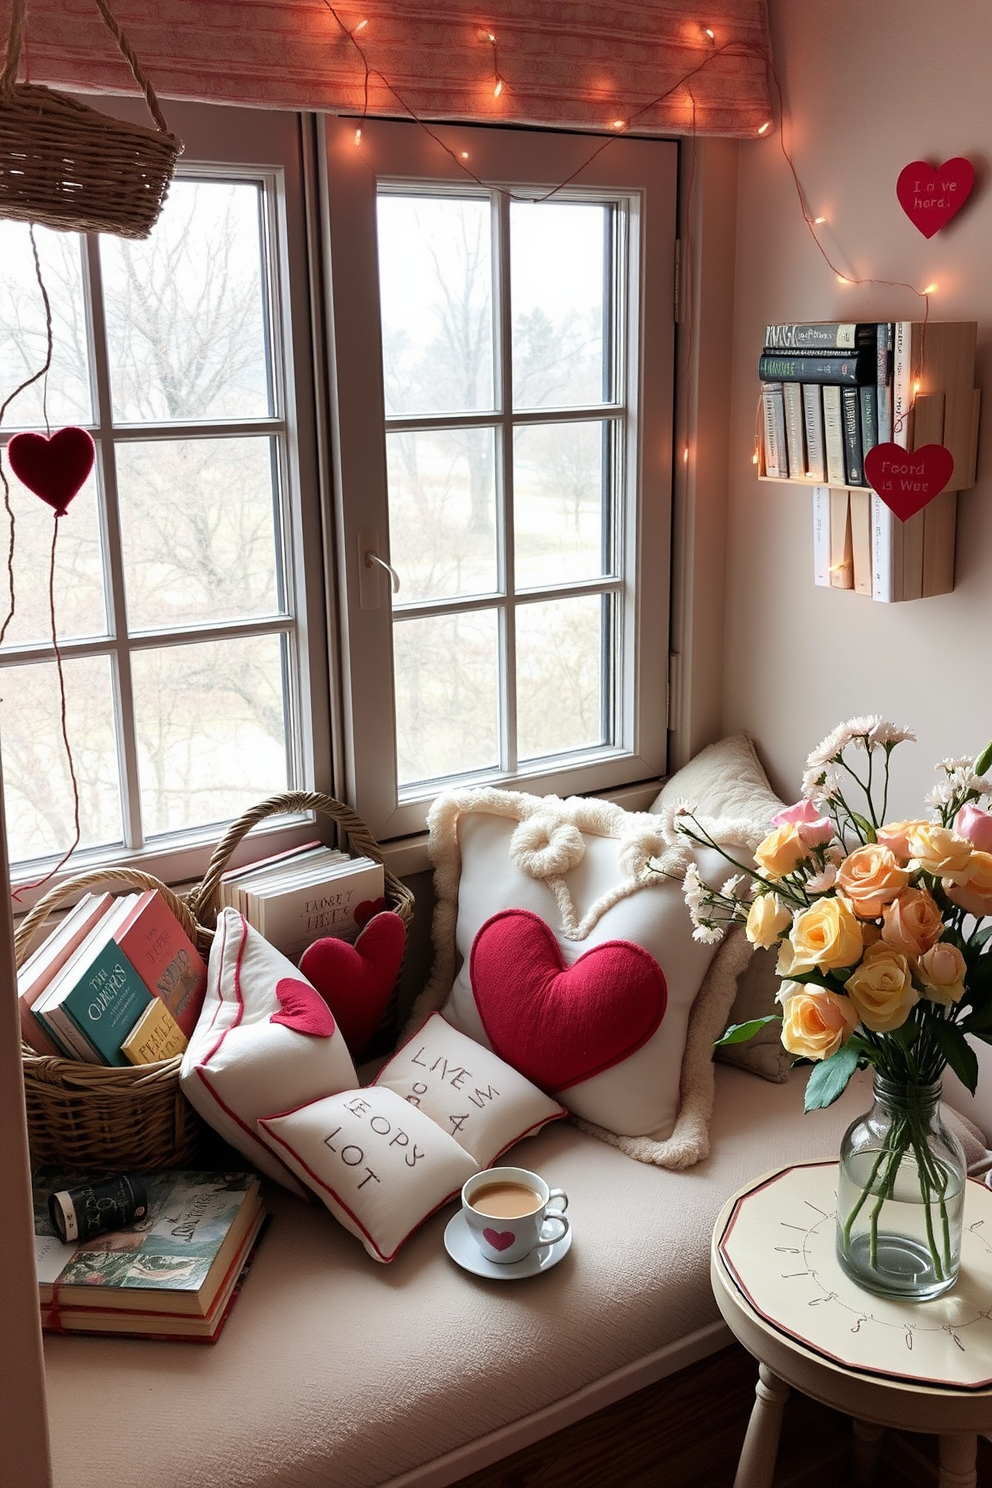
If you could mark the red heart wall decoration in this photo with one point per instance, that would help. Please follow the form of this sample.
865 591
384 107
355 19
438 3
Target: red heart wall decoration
559 1025
356 980
930 195
302 1009
54 469
907 481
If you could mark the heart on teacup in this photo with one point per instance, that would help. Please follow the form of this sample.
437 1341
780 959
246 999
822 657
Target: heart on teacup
368 909
54 469
356 980
302 1009
560 1025
907 481
930 195
499 1239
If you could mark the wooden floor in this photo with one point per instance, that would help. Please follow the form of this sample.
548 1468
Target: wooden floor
686 1432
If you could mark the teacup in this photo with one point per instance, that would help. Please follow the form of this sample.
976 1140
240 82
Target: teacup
508 1215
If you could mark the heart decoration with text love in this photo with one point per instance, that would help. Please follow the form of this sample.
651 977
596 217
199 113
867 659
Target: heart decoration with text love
560 1025
302 1009
356 980
54 469
907 481
931 195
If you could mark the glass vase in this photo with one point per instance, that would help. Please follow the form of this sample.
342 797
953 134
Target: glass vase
900 1195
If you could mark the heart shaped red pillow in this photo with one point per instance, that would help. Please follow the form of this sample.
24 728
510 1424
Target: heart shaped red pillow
559 1025
356 980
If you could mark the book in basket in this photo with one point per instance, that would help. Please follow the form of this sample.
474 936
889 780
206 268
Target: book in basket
173 1273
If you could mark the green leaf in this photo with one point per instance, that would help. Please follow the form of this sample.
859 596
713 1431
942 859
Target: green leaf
958 1052
739 1033
829 1079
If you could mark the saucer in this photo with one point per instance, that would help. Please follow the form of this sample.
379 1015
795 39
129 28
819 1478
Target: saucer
464 1252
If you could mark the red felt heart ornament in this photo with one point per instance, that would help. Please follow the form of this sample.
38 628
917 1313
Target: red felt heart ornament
302 1009
907 481
930 195
499 1239
559 1025
356 980
54 469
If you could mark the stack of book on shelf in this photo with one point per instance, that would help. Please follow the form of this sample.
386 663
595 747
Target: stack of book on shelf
302 895
830 392
117 982
172 1274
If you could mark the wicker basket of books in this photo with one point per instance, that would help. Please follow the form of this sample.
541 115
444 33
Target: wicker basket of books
89 1116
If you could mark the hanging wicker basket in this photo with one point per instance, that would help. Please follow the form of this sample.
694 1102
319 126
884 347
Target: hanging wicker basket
89 1116
67 166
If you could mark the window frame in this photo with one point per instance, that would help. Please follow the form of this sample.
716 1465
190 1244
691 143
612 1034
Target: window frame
644 171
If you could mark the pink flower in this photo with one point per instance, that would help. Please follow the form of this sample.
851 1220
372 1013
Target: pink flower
976 825
812 829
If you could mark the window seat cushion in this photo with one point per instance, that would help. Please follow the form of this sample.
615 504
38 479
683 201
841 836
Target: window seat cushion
334 1371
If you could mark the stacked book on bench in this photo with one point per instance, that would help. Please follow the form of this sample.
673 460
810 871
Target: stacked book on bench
831 392
117 982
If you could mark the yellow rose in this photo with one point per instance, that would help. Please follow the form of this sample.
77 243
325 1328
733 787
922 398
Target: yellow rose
825 935
938 850
942 970
912 923
781 851
816 1022
881 988
869 878
973 891
766 919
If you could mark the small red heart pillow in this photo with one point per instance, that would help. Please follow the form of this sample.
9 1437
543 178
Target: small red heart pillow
54 469
356 980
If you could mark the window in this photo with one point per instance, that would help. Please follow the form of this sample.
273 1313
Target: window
503 361
179 588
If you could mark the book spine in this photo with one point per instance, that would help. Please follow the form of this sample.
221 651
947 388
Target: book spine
828 335
821 536
869 418
816 466
851 419
792 396
773 423
833 435
853 370
883 380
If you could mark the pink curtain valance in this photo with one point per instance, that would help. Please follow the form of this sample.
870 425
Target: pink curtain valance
565 63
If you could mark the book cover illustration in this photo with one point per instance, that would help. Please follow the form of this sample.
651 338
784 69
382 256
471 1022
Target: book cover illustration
190 1217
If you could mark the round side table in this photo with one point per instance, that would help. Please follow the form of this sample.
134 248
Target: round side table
915 1366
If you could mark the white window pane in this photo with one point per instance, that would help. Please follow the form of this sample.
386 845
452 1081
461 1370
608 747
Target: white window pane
80 609
65 395
446 695
558 268
38 793
186 343
435 278
211 730
560 503
560 648
198 523
442 512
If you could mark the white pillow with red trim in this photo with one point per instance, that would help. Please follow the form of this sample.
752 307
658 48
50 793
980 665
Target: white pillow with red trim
381 1166
470 1092
265 1041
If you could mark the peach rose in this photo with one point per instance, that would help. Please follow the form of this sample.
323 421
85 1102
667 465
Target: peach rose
781 851
869 878
973 890
895 836
766 919
815 1022
881 988
825 935
912 923
942 969
939 851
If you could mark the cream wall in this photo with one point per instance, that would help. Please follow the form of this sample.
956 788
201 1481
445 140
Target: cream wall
867 88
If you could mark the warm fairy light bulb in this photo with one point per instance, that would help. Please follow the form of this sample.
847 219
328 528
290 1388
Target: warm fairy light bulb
764 128
930 289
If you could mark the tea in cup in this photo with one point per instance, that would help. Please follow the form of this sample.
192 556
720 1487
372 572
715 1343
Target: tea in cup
508 1212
